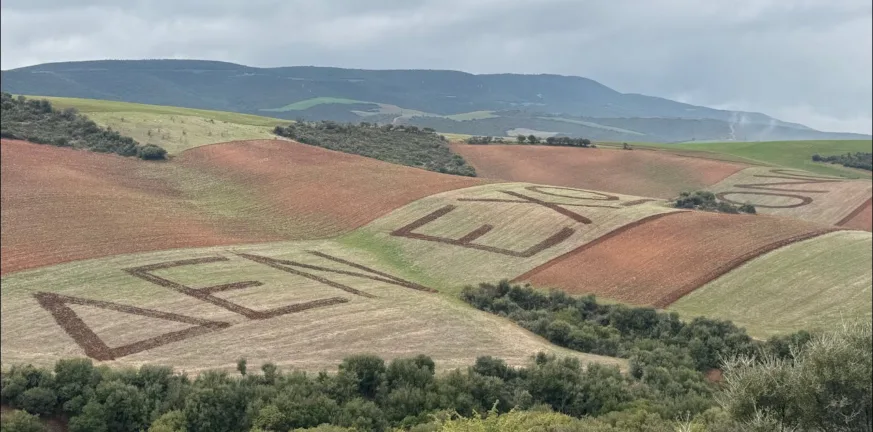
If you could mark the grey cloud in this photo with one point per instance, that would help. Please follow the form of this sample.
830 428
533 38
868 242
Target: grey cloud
807 60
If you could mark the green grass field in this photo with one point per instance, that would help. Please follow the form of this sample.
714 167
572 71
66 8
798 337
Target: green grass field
473 115
791 154
309 103
173 128
816 283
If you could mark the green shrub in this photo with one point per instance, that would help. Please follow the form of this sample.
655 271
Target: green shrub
20 421
151 152
38 122
404 145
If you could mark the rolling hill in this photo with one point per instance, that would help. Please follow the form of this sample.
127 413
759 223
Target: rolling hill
449 101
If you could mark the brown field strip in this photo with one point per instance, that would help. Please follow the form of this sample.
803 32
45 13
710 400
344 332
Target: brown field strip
641 173
62 205
861 218
660 259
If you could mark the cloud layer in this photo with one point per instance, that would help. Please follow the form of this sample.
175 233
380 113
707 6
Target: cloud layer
807 61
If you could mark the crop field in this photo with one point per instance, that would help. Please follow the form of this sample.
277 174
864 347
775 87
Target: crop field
305 305
497 231
797 194
643 173
815 283
174 129
657 262
789 154
860 219
60 205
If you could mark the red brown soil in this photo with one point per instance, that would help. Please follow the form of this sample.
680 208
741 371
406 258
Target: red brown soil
346 191
634 172
861 218
663 258
62 205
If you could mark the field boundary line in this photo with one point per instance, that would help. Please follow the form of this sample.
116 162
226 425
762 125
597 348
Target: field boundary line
592 243
737 262
855 212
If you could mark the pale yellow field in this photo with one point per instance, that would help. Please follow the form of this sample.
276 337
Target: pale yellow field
464 257
382 317
815 283
807 196
177 133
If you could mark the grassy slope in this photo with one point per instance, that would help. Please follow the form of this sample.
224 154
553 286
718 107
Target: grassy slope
811 284
792 154
175 129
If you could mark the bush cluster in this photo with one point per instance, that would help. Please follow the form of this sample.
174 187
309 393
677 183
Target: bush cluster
703 200
38 122
404 145
860 160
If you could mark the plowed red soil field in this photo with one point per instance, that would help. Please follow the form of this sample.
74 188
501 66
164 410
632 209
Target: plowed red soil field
328 191
662 259
61 205
860 219
634 172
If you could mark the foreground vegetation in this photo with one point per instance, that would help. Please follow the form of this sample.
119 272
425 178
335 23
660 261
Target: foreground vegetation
860 160
819 384
39 122
405 145
706 201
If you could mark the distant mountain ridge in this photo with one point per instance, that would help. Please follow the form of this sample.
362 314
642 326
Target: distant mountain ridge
421 97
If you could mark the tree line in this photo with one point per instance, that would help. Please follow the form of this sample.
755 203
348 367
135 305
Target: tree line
533 139
400 144
860 160
802 382
37 121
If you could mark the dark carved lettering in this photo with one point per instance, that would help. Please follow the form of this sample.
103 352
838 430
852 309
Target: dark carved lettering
95 348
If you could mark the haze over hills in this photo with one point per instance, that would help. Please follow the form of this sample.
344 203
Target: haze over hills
449 101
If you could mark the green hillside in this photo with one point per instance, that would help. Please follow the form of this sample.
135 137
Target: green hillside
173 128
791 154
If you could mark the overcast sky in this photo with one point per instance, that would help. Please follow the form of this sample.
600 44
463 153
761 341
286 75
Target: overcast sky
807 61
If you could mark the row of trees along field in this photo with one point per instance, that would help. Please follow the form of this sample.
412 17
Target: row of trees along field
800 382
35 120
404 145
860 160
533 139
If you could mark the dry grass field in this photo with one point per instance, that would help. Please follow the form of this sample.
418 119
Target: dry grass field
796 194
657 262
815 283
305 305
638 172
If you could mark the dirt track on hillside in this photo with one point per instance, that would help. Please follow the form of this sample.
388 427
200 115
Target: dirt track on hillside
657 262
633 172
62 205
